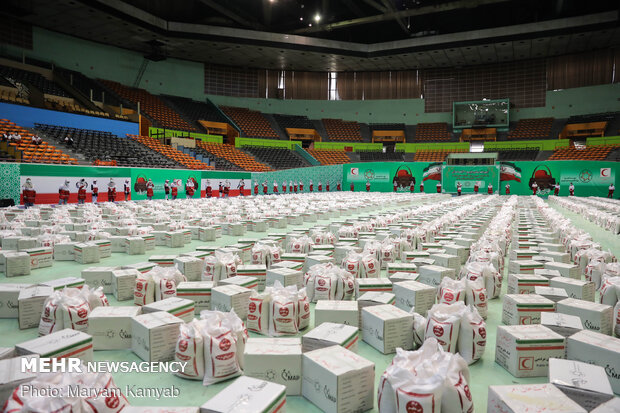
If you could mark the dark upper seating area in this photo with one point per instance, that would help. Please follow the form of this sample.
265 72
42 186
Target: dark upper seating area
527 129
98 145
277 158
85 85
292 121
516 154
193 110
369 156
595 117
432 132
35 79
386 126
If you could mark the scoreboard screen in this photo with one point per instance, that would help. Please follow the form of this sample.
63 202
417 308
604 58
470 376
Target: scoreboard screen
481 114
467 176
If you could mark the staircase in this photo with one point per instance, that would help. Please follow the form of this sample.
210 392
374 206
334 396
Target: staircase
365 132
543 156
276 126
614 155
410 133
320 128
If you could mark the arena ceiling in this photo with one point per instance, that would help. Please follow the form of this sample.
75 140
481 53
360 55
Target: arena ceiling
360 35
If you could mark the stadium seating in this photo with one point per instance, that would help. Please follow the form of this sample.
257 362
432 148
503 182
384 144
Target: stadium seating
516 154
85 85
329 157
532 129
43 153
152 105
37 80
102 147
194 110
277 158
221 164
340 130
234 156
386 126
590 153
432 132
184 159
252 123
10 95
595 117
433 156
293 121
372 156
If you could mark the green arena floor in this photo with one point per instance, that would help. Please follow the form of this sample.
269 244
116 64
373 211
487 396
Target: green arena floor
192 393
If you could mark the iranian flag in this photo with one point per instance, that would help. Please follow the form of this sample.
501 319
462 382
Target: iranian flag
509 172
432 172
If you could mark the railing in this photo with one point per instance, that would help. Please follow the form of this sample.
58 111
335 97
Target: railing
311 159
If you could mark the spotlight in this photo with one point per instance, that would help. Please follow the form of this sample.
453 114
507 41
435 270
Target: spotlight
309 24
317 17
301 19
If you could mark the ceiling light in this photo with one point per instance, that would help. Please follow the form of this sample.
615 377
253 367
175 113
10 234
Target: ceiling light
309 24
301 19
317 17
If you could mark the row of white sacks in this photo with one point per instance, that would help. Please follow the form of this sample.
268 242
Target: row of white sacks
603 212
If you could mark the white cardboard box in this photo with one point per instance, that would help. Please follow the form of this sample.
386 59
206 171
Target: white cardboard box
105 247
63 343
174 239
433 274
207 234
341 312
285 276
277 360
65 282
9 299
372 298
191 268
11 376
135 246
547 273
525 283
447 260
142 267
247 282
524 266
522 309
229 297
563 324
123 283
402 267
585 384
154 336
535 398
86 253
414 294
329 334
248 395
117 243
30 302
16 264
96 277
557 256
257 271
197 291
387 327
525 350
596 348
177 306
596 317
581 290
566 270
338 380
402 276
110 327
40 257
163 260
363 285
612 406
552 293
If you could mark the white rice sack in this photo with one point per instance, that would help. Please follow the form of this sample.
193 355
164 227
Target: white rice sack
240 332
190 349
369 266
325 286
144 289
476 295
472 336
220 353
300 245
166 280
451 291
75 309
212 270
348 284
373 248
107 398
616 320
456 396
95 297
492 278
51 317
419 328
258 312
388 254
303 309
275 255
283 313
352 263
228 266
610 290
444 323
259 254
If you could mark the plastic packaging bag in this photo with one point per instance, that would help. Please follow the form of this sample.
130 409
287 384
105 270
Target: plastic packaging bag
190 349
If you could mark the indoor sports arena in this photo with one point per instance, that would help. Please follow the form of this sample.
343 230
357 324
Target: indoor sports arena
341 206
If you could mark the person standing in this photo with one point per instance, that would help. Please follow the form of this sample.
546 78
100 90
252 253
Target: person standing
438 187
534 188
255 188
422 187
290 187
490 189
507 189
311 186
412 186
63 193
556 189
167 189
29 193
295 186
571 189
459 188
327 186
367 186
301 186
352 187
149 189
111 190
283 187
320 186
190 188
339 186
81 186
95 190
127 189
476 187
395 187
275 187
612 188
265 189
226 188
208 189
241 187
174 190
220 191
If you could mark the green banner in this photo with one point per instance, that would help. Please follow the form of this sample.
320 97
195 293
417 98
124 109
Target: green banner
175 177
383 175
468 176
